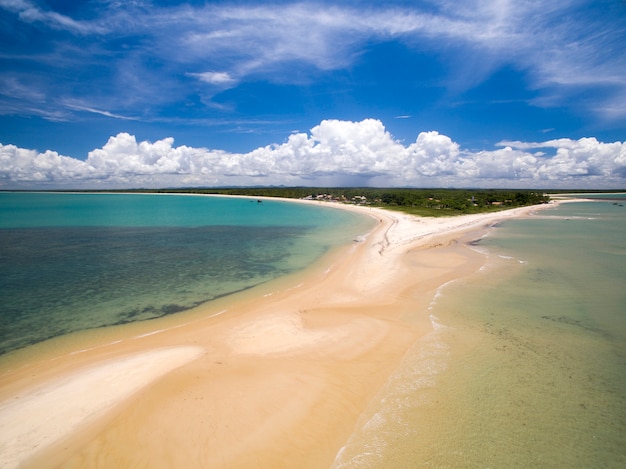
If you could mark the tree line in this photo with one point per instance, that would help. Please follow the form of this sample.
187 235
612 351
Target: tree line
425 202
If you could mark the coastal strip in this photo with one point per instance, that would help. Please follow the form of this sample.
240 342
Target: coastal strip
279 381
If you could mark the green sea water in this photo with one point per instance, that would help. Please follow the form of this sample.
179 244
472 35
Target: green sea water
72 262
526 364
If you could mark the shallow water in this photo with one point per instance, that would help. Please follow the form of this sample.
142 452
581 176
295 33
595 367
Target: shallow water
526 365
79 261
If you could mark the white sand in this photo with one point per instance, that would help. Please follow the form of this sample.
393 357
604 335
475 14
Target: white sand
46 414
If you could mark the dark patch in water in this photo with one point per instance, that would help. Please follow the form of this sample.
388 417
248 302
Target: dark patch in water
576 323
61 280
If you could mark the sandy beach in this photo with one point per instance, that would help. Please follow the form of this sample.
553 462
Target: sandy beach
276 377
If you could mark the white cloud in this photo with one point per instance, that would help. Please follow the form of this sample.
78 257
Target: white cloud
20 166
586 157
563 50
214 78
29 12
559 48
81 107
337 152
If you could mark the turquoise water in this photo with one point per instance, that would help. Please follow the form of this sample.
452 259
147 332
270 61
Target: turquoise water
577 253
526 366
78 261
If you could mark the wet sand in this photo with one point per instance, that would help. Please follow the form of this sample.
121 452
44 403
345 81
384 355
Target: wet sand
276 377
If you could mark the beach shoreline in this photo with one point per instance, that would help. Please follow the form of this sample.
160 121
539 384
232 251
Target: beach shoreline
278 381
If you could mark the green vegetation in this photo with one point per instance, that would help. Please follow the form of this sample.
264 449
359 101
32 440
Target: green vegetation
424 202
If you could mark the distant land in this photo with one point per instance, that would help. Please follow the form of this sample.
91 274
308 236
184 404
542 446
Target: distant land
416 201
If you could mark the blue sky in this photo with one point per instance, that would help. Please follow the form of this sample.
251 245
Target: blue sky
425 93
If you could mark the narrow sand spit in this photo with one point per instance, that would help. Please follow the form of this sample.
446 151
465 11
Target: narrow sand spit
279 380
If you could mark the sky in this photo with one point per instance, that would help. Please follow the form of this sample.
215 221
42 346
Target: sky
102 94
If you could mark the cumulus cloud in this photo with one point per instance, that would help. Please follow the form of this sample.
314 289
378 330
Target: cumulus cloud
333 152
21 166
586 157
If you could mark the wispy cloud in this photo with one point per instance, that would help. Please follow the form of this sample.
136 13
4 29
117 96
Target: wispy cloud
30 12
214 78
146 52
79 107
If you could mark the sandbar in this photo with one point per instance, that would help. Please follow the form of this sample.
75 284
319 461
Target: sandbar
276 377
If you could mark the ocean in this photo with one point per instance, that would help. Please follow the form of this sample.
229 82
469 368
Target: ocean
73 262
526 364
